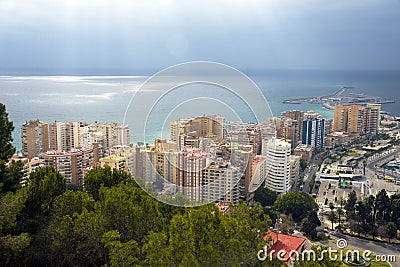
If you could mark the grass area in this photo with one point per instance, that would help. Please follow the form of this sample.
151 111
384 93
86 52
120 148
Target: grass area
373 263
379 264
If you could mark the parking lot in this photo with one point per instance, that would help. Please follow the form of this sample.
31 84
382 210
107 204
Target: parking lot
330 192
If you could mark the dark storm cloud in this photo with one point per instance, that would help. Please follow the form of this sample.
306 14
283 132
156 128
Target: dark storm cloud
132 36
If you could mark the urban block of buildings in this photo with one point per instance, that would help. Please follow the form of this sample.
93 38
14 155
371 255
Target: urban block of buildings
206 158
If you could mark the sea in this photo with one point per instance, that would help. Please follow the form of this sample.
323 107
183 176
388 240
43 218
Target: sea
106 98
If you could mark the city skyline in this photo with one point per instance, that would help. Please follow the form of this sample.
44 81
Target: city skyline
212 133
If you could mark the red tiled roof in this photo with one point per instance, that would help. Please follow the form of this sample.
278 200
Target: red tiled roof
287 243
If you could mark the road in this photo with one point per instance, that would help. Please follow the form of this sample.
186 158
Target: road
376 248
377 160
382 158
306 187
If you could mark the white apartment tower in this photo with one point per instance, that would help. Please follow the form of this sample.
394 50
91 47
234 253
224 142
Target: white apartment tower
278 165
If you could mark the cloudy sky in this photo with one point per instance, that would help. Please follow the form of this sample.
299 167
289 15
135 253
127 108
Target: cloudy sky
99 36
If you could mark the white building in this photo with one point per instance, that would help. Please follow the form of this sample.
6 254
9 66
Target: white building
221 183
278 165
107 135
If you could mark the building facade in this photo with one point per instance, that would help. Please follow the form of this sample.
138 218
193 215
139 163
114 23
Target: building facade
71 164
313 132
278 166
35 138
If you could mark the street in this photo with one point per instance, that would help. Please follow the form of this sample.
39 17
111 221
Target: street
375 247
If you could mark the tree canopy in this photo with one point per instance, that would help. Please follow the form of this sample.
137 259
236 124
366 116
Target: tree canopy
10 176
298 204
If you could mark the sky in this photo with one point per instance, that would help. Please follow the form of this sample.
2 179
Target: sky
132 37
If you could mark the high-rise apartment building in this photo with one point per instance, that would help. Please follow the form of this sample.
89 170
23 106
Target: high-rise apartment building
190 163
188 132
249 136
313 130
278 166
71 164
164 156
242 156
348 119
371 119
356 119
65 135
220 183
294 168
35 138
298 116
106 134
378 107
289 130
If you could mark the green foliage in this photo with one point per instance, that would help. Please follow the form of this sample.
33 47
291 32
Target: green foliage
298 204
228 240
12 247
11 205
390 230
125 206
374 216
44 186
106 177
310 223
71 203
265 196
6 128
350 205
10 176
303 164
121 254
324 262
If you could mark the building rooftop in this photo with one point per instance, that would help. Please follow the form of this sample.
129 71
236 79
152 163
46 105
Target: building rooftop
284 242
223 206
258 160
303 147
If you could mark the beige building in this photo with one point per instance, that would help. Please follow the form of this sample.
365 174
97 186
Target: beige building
289 130
30 165
220 183
71 164
377 107
35 138
65 135
117 161
188 132
337 139
107 135
371 119
355 119
298 116
164 156
190 165
294 168
303 151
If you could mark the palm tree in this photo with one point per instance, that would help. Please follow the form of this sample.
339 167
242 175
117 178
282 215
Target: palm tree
332 214
390 230
364 165
332 217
